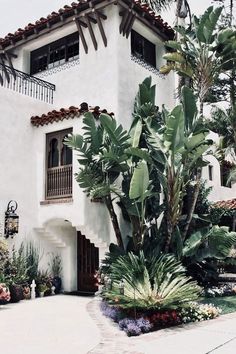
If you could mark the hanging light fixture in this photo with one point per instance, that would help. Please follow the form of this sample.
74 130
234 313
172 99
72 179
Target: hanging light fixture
11 219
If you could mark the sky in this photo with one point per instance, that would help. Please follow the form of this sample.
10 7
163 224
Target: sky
21 12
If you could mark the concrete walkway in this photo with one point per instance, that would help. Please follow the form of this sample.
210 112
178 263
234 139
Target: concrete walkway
51 325
215 336
75 325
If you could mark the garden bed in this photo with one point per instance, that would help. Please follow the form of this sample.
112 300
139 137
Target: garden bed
135 322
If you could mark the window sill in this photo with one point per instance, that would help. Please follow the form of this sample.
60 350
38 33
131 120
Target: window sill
56 201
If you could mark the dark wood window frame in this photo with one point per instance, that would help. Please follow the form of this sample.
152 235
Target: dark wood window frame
58 166
55 53
143 49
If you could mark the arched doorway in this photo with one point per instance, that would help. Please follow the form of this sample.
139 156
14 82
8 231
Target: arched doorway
87 264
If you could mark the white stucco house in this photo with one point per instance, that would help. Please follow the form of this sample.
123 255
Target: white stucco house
92 53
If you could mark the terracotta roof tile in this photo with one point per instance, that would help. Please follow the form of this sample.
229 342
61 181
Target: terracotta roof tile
227 204
66 113
69 11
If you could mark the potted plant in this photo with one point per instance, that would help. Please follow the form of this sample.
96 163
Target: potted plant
43 283
4 291
42 288
4 294
55 265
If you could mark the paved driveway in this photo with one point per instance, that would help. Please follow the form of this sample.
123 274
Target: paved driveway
75 325
51 325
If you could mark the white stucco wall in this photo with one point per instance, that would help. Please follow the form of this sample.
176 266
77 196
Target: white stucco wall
106 77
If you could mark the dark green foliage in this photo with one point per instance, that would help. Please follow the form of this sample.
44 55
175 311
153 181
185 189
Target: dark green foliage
157 283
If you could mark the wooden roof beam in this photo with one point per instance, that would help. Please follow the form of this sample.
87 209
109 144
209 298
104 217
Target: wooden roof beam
124 19
129 28
91 32
101 29
127 23
77 22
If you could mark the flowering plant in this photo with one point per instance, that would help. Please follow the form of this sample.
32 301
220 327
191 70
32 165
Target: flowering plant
147 321
4 293
196 312
224 290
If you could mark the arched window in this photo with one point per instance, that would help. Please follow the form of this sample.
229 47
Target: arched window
53 153
66 154
59 169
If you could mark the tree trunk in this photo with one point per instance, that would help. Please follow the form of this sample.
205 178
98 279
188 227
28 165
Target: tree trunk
136 232
194 201
114 221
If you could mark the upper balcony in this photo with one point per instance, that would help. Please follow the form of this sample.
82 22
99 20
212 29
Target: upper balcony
26 84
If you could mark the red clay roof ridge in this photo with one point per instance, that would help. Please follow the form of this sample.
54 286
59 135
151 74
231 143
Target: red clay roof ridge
67 113
68 11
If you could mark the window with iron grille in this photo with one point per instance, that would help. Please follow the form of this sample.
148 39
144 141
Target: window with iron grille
143 49
55 53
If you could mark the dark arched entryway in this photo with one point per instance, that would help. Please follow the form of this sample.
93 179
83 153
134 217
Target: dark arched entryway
87 264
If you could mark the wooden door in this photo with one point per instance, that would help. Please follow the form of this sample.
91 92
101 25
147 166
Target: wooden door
87 264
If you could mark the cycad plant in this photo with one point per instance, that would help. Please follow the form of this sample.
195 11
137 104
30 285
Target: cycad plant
157 283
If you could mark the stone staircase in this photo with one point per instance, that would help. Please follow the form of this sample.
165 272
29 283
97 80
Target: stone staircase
55 240
47 236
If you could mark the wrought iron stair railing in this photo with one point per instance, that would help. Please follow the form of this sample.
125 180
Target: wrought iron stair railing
26 84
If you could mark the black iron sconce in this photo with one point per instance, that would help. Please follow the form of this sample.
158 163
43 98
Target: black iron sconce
11 219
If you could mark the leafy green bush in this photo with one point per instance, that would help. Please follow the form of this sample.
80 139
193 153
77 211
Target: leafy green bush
158 283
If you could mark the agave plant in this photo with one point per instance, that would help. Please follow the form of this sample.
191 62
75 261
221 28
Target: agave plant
158 283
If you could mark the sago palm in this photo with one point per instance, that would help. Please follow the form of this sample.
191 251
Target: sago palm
158 283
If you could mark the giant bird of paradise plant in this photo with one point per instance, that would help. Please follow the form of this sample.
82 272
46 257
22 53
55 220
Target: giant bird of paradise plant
159 153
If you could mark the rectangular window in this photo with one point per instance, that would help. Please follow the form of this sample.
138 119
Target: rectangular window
55 53
58 166
210 172
143 49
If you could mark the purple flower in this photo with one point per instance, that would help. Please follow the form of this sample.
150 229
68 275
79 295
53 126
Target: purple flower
135 327
110 311
132 329
144 325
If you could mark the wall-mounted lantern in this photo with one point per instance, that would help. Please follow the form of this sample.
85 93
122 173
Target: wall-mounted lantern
11 219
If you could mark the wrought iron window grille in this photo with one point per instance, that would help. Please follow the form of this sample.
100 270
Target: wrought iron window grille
147 66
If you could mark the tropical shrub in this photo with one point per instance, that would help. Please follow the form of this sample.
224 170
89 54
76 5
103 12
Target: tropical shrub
202 53
154 283
16 267
33 255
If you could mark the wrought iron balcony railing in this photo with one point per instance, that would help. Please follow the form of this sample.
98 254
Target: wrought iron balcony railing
59 182
26 84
